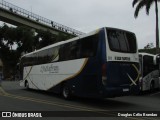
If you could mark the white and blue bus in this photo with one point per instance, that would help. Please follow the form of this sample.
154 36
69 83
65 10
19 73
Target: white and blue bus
149 69
103 63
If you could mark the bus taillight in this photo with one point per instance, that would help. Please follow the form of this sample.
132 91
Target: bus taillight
104 74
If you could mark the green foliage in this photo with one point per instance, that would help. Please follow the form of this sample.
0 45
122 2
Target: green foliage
143 3
149 46
147 4
14 41
17 40
45 38
151 51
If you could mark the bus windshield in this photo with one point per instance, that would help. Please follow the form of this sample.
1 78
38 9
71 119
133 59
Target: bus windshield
121 41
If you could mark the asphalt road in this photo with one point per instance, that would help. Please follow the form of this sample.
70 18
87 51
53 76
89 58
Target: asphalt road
14 98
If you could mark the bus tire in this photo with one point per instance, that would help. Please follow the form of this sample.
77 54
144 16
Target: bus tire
66 92
26 84
152 86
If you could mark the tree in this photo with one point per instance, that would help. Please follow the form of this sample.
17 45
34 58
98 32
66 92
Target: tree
151 50
10 37
147 4
149 46
45 38
25 39
7 36
17 40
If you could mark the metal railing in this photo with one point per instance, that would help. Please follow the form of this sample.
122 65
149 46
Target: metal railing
29 15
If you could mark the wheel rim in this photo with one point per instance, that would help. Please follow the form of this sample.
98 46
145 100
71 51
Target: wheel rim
151 86
65 92
27 85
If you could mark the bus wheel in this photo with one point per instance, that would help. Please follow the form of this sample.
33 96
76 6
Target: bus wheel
66 93
152 86
27 84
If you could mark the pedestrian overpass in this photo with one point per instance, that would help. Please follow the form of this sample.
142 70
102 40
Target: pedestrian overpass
18 16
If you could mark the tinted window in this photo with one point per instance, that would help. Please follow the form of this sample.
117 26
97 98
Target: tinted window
85 47
121 41
140 63
82 48
148 65
89 46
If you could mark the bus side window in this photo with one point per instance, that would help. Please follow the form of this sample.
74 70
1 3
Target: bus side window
43 57
53 54
74 50
148 64
63 52
82 48
89 46
60 53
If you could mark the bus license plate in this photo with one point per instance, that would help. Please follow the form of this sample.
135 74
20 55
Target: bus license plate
125 90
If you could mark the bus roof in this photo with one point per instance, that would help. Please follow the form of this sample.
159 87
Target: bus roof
72 39
142 53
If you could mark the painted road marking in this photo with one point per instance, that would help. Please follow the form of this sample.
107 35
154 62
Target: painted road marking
154 94
2 92
81 108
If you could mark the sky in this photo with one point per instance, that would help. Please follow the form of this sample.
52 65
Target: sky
89 15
